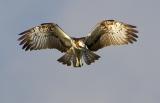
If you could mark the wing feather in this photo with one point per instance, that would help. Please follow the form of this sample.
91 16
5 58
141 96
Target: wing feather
111 32
46 35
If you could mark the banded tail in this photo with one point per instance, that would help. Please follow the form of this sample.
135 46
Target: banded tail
90 57
65 59
69 59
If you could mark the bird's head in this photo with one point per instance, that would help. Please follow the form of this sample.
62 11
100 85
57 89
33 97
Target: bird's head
80 44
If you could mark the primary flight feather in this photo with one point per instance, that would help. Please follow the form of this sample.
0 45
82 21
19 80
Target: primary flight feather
51 36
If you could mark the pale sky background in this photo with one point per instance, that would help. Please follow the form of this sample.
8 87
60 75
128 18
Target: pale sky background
124 74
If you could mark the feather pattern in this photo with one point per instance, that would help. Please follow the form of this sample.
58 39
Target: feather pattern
46 35
51 36
111 32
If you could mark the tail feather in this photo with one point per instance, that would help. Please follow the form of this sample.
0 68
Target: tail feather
65 59
74 61
90 57
69 59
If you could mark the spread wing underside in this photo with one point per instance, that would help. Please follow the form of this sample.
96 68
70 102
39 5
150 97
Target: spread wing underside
46 35
111 32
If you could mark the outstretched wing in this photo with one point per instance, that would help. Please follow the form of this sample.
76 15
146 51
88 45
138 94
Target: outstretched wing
111 32
46 35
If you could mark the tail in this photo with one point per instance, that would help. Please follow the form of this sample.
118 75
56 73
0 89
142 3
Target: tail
68 59
90 57
65 59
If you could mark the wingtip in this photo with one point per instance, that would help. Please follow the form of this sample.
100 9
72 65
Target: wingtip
24 32
21 38
131 26
49 24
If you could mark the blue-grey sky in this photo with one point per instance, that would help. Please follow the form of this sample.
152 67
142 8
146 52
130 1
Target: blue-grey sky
124 74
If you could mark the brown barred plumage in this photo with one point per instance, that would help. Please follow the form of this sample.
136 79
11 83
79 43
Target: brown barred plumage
51 36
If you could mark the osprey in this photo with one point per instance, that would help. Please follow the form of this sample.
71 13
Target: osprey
51 36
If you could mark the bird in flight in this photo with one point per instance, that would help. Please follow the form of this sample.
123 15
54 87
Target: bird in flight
78 50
